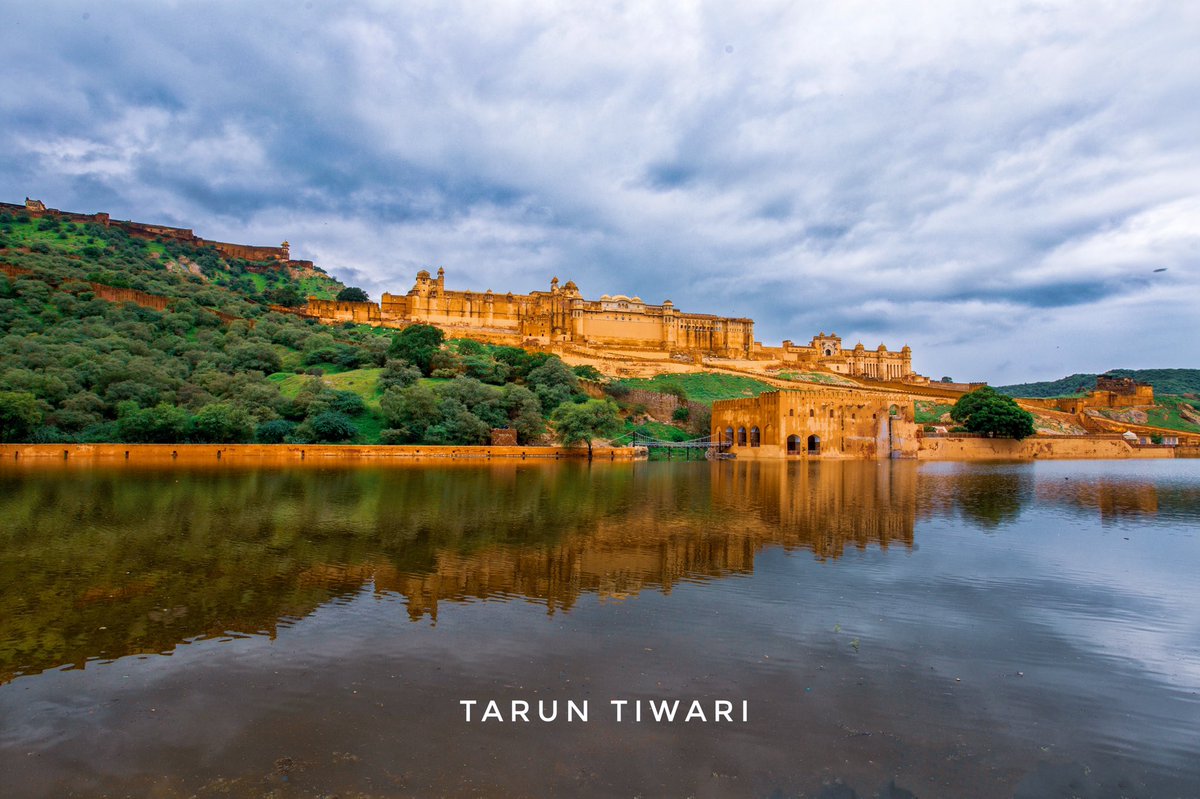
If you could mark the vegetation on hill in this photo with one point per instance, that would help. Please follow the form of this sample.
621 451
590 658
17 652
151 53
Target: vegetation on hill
169 267
202 358
1165 381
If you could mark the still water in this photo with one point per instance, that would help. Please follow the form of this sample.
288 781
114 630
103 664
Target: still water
894 630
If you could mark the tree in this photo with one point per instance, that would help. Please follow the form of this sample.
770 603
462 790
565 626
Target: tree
275 431
162 424
399 374
352 294
457 425
417 344
19 414
553 382
409 412
582 422
222 423
287 296
987 411
255 357
330 427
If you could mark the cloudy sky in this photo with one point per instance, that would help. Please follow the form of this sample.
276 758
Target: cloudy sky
992 184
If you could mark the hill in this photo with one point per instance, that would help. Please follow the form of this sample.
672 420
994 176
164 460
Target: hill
113 333
1165 381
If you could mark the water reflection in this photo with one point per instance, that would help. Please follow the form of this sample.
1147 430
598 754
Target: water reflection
102 563
106 563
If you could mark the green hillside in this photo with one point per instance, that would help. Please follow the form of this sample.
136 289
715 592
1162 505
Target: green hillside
106 337
705 387
1165 381
111 256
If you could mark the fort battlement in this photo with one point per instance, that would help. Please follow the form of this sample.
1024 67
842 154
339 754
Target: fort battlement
281 254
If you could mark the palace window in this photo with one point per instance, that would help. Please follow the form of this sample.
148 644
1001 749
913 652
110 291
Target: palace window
755 437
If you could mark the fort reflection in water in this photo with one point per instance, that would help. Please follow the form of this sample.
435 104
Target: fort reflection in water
103 563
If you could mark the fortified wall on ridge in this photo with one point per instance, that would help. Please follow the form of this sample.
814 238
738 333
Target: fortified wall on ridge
281 254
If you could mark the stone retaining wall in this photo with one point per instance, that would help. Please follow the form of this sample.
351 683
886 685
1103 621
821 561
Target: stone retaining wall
270 454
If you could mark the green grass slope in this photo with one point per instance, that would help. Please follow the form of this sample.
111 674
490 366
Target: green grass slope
705 387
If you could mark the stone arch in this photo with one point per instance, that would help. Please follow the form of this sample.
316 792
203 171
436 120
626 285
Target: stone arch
729 436
814 444
741 436
755 436
793 445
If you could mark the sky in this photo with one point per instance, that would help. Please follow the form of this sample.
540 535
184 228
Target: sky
993 184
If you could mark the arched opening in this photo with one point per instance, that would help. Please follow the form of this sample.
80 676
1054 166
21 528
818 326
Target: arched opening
729 436
793 445
894 411
755 437
814 445
812 412
741 441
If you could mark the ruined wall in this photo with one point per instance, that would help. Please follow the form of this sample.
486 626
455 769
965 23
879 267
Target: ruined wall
334 311
247 252
145 300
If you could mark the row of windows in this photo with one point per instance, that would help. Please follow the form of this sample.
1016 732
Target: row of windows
755 439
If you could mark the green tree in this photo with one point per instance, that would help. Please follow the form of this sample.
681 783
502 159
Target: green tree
222 423
987 411
254 356
275 431
330 427
410 412
581 423
162 424
287 296
399 374
553 382
417 344
457 425
352 294
524 412
20 413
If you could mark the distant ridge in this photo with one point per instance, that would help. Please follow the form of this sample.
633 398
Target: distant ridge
1165 381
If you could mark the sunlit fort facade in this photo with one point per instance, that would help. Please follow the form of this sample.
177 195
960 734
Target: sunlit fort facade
617 322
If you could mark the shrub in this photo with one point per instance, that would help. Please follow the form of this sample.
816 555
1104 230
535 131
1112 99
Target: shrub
275 431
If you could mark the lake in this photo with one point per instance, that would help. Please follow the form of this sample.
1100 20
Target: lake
885 629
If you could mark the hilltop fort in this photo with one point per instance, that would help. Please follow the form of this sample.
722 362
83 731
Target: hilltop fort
561 316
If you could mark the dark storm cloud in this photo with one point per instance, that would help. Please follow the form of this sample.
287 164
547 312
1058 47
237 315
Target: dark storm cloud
972 180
